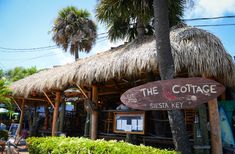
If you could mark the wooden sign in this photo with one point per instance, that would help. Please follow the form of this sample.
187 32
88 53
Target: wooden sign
172 94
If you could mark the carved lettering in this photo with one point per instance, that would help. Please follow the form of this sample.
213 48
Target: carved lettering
189 88
172 94
149 91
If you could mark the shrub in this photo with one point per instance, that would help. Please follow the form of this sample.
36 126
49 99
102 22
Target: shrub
72 145
3 134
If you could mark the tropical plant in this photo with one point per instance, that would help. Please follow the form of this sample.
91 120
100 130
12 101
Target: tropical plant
4 92
1 74
19 73
73 145
132 19
74 30
166 67
3 135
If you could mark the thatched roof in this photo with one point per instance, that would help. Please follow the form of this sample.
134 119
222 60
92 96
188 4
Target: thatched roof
195 52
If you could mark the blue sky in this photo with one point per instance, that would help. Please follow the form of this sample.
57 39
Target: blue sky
26 24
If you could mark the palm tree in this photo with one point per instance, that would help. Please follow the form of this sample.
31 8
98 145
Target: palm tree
132 19
1 73
166 67
19 72
4 92
74 30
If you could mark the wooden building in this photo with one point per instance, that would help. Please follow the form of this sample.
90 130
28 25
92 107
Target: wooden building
103 77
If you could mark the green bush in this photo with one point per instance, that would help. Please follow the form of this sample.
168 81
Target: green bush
72 145
4 134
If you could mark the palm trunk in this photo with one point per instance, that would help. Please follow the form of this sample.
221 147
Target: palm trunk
166 68
140 28
76 52
76 55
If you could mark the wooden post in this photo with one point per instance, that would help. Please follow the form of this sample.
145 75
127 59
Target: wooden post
47 114
88 120
34 127
94 115
55 113
62 115
21 118
204 129
215 131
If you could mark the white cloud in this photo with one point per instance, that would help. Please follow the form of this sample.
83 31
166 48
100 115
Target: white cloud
211 8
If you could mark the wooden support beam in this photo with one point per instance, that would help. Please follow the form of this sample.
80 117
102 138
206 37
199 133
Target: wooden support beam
94 115
49 100
21 118
108 93
215 130
82 91
16 104
55 113
33 99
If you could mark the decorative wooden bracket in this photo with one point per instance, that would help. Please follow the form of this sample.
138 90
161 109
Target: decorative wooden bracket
16 104
49 100
84 94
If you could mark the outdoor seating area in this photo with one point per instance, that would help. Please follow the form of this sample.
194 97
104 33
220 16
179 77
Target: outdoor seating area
10 142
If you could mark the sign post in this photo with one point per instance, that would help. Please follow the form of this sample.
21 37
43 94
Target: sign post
173 94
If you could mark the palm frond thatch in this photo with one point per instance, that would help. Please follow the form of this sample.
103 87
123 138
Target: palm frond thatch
195 51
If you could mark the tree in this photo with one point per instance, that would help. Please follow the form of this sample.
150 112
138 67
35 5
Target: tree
1 74
19 73
132 19
166 68
74 30
4 92
11 76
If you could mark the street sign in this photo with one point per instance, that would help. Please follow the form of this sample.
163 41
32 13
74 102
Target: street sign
173 94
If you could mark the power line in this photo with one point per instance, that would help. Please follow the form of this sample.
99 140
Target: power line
215 25
25 49
46 48
40 48
21 51
102 40
45 55
209 18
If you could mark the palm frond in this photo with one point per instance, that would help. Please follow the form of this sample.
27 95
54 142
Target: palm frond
115 12
4 91
71 27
